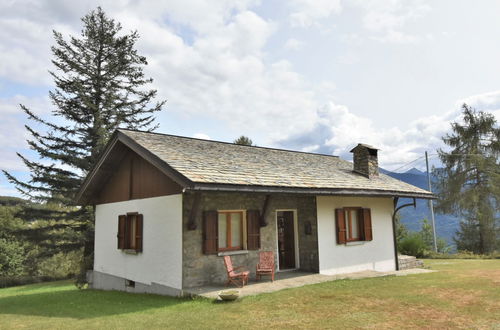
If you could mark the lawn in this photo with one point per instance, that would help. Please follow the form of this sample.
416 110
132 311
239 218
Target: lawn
462 294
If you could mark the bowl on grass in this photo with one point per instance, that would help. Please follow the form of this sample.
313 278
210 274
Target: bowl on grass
229 295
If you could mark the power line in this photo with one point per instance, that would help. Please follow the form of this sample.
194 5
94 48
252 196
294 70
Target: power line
413 161
432 155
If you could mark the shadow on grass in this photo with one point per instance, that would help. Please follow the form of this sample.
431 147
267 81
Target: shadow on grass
83 304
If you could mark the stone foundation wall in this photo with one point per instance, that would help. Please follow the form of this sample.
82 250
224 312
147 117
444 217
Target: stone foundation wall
200 269
409 262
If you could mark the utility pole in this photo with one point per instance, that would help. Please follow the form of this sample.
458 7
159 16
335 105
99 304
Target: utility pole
431 205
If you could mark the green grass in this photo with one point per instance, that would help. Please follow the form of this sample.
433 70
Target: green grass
463 294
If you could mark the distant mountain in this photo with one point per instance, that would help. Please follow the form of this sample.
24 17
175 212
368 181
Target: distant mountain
446 224
416 172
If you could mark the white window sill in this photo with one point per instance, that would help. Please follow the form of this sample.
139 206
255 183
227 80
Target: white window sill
355 243
232 253
130 251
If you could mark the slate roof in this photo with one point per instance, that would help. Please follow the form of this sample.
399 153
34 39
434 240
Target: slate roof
211 165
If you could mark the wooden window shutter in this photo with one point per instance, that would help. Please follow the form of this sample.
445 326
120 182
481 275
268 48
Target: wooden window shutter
340 226
367 225
122 219
138 232
210 232
253 230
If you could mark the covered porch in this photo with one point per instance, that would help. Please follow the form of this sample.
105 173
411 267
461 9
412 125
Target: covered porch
293 279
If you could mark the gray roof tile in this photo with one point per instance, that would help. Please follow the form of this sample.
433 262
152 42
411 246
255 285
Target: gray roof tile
211 162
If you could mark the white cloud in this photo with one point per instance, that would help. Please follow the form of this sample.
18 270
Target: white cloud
225 75
219 69
202 136
386 19
209 59
398 37
336 130
293 44
10 105
485 102
307 13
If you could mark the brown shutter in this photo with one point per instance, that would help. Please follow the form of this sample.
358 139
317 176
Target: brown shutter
121 231
210 232
138 232
340 226
367 225
253 230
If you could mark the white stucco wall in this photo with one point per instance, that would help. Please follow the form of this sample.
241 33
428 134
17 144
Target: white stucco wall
161 259
377 254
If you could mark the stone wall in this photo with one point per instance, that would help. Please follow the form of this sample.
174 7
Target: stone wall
409 262
365 161
200 269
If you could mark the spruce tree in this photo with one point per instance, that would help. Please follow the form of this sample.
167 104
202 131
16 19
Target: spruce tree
468 185
99 86
243 141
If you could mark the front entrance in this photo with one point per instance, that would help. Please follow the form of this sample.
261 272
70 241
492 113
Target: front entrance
286 239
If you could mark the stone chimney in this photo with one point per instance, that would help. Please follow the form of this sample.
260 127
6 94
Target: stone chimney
365 160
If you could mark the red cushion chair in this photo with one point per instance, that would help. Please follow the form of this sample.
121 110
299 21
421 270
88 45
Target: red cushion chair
265 265
233 277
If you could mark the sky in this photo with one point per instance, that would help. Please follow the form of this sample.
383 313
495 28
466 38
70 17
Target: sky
310 75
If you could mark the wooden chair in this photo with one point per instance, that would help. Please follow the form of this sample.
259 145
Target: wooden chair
265 265
233 277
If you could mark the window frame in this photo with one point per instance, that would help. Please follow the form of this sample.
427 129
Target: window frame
132 235
229 246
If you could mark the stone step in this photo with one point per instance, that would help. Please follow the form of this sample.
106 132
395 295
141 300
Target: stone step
409 262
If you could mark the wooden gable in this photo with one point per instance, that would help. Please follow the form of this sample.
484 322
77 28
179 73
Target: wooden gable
135 178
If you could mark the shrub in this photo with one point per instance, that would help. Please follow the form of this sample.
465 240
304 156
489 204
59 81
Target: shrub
463 255
12 257
61 265
414 245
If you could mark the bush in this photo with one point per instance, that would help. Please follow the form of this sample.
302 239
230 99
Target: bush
6 282
463 255
12 257
413 245
60 265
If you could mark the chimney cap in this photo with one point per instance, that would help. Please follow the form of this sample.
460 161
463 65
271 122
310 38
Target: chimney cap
363 145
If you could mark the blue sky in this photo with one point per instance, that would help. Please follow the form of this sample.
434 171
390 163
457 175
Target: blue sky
317 76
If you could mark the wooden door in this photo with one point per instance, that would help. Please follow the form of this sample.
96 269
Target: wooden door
286 240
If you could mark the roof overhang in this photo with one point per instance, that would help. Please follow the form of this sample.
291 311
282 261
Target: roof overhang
119 144
309 191
109 160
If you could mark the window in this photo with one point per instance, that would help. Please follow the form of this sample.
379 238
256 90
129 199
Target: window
230 231
130 232
353 224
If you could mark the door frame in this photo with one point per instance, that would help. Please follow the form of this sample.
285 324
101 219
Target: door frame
295 238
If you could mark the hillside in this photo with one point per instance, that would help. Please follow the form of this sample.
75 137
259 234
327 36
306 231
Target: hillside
446 224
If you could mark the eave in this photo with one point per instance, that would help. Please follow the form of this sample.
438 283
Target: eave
309 191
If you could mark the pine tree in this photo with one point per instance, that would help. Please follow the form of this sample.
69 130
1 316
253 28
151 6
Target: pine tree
468 185
244 141
100 86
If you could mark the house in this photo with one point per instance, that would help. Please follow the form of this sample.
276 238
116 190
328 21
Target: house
168 207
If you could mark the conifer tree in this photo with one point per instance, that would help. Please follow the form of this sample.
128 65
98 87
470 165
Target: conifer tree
99 86
468 185
243 141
